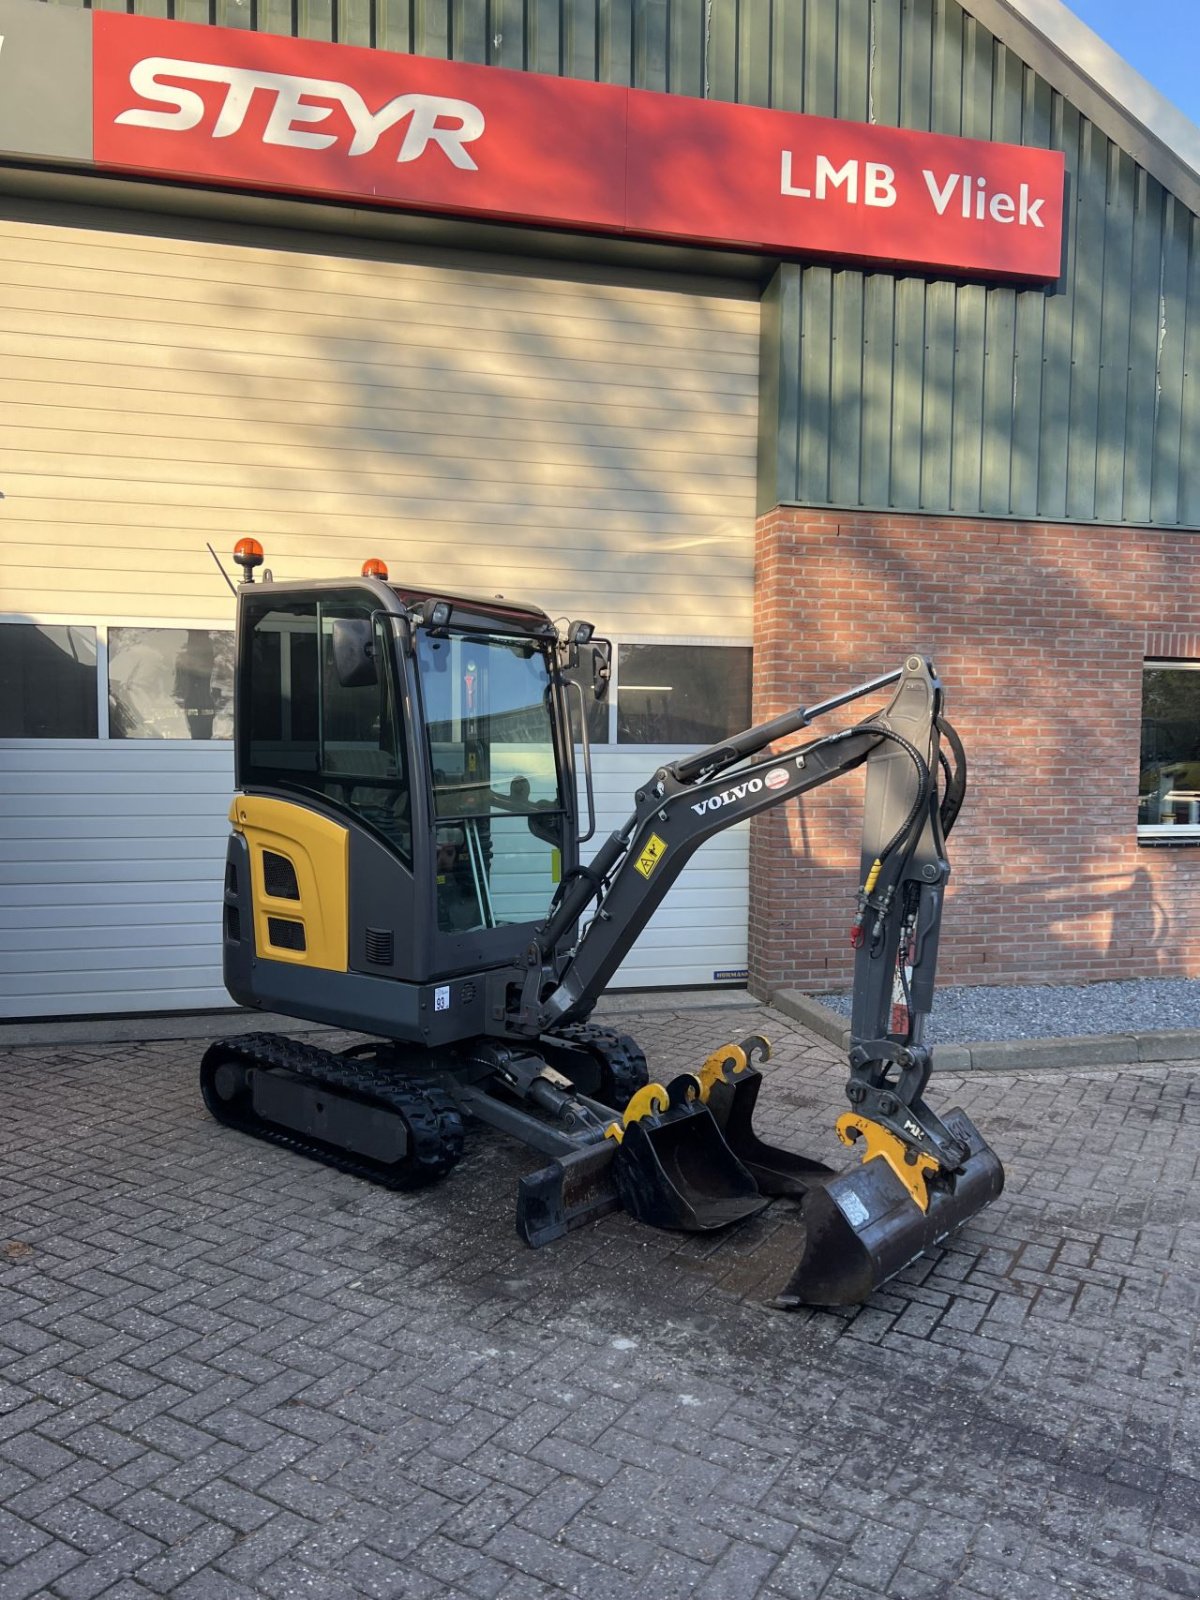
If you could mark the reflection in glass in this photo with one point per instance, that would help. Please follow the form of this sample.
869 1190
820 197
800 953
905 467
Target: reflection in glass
495 777
47 682
677 694
170 683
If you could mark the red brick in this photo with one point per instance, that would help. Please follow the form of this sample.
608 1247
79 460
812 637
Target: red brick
1038 633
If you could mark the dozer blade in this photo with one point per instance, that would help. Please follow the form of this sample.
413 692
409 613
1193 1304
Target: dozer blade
573 1190
676 1171
862 1226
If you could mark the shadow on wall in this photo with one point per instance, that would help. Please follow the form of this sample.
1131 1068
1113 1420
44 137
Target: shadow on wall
556 426
1039 637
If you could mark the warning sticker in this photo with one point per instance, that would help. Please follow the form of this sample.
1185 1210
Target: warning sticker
653 852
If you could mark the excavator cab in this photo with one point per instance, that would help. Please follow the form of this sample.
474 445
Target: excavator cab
429 737
405 862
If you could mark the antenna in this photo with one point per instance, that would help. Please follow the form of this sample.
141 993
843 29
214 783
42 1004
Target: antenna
221 570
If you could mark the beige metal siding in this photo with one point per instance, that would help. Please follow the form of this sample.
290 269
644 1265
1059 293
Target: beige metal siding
164 392
586 444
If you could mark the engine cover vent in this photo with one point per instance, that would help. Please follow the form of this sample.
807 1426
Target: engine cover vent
286 934
279 877
381 945
467 993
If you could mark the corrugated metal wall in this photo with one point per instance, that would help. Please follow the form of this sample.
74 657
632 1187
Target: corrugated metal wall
1080 403
1077 403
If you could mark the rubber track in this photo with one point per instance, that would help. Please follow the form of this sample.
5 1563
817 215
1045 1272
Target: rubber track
434 1126
622 1055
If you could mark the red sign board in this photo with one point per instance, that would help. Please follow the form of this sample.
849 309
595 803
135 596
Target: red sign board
296 116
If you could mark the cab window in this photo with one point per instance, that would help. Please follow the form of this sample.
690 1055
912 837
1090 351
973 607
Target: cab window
318 711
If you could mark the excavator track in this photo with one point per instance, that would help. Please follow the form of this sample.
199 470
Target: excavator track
373 1121
623 1069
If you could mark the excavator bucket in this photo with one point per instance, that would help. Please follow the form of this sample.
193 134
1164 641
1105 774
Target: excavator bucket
676 1171
730 1087
665 1162
863 1226
687 1157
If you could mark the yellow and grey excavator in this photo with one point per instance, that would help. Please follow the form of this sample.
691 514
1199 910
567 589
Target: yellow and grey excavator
406 863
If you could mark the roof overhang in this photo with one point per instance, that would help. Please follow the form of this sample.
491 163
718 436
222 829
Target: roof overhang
1102 85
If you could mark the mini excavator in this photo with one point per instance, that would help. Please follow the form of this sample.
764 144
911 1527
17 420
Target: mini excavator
405 862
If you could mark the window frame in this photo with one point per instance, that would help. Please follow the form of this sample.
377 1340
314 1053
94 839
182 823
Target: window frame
82 619
700 641
1179 834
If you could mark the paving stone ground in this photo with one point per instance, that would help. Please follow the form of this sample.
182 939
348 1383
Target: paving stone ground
227 1372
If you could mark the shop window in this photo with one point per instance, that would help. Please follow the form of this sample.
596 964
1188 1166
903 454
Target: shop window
1169 783
170 683
680 694
47 682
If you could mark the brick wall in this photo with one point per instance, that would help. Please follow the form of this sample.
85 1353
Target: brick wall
1038 634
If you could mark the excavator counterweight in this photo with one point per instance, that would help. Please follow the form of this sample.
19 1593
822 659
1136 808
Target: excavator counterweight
406 862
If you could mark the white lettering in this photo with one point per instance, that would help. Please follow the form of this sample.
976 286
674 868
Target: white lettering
785 179
880 185
978 205
847 175
727 796
463 123
423 129
289 108
940 197
1029 213
143 80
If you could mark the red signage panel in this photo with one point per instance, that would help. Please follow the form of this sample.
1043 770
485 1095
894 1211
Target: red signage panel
298 116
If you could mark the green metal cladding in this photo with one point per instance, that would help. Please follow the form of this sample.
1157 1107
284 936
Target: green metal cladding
1078 402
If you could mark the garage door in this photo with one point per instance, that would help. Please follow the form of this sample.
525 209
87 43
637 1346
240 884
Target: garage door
588 445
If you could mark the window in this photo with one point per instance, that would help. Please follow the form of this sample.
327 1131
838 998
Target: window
495 777
679 694
47 682
321 714
170 683
1169 783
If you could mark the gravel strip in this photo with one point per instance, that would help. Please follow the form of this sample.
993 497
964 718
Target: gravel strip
1053 1011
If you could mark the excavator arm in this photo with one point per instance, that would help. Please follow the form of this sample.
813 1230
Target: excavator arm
687 1155
898 917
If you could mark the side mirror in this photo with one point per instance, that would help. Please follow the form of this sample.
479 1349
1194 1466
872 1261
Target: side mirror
601 650
354 652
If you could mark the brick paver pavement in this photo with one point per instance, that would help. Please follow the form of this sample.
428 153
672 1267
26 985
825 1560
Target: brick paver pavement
227 1372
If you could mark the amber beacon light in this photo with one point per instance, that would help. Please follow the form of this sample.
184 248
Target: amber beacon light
248 554
374 568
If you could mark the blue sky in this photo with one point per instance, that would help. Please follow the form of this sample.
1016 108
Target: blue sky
1161 38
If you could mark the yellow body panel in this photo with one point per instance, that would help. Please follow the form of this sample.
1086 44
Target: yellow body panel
318 850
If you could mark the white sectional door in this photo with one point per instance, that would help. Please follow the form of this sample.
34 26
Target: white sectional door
587 444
